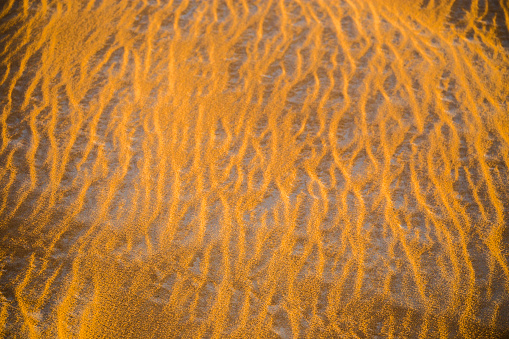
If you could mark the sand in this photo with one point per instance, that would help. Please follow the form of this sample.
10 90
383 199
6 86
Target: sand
254 169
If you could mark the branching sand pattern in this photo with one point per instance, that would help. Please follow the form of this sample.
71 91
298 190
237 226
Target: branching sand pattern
254 169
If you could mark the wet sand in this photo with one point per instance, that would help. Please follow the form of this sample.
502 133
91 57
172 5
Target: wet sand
254 169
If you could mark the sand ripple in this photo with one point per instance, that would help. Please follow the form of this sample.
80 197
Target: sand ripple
254 169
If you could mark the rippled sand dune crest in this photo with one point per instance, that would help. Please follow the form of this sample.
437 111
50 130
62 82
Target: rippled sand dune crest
254 169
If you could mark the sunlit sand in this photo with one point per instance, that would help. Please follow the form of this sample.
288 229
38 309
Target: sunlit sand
254 169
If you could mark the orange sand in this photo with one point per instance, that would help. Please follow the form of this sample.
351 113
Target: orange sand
335 169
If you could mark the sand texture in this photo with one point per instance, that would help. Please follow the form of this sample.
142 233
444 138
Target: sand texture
254 169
